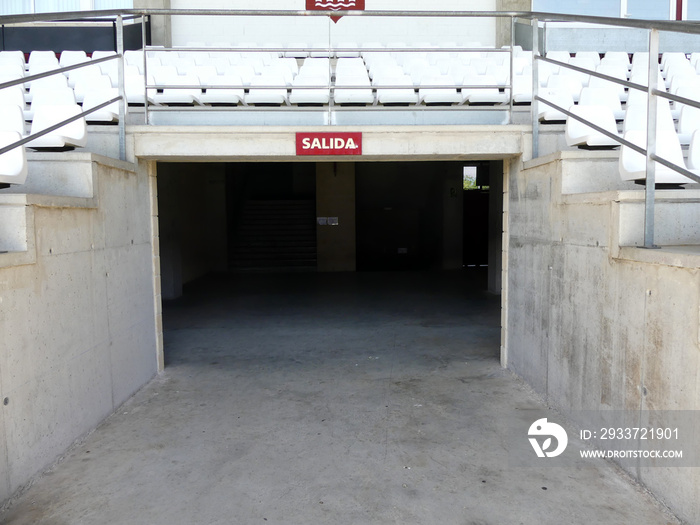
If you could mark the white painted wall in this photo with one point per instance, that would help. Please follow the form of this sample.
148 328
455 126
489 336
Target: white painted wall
286 30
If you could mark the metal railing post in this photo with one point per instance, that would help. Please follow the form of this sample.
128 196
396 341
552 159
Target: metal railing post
330 74
535 105
512 53
650 191
122 91
145 72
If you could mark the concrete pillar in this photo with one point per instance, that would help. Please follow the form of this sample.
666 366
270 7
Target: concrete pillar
495 226
161 26
335 197
503 24
452 223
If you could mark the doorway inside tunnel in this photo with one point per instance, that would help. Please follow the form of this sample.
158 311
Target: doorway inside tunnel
293 217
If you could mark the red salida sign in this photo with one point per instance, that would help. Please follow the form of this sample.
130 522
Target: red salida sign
335 5
329 143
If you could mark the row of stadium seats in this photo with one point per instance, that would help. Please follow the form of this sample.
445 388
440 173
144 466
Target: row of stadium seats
367 78
634 129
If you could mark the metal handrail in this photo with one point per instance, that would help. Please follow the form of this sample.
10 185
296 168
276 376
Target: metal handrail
331 87
661 25
534 17
597 128
333 49
625 83
61 70
48 130
53 72
651 89
693 176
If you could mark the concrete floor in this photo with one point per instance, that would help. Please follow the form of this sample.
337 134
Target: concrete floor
316 398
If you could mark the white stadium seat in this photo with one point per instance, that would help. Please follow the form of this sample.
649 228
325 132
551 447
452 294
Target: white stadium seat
50 83
616 57
134 89
395 95
688 123
47 97
86 84
592 56
602 96
362 95
225 95
346 46
476 95
618 71
70 58
297 50
522 89
583 63
92 70
13 95
97 96
439 95
310 95
632 165
179 95
276 94
636 118
13 164
11 71
565 84
559 56
579 134
694 153
549 114
12 57
11 118
73 134
43 57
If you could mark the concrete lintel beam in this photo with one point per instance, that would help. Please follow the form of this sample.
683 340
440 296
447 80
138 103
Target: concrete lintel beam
209 144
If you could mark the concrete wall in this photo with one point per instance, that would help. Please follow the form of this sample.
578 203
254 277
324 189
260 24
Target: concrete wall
503 27
161 26
192 223
350 29
335 197
495 227
593 326
77 313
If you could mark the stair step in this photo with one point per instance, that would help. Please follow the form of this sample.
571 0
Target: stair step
275 235
263 223
281 242
278 235
280 205
272 263
244 248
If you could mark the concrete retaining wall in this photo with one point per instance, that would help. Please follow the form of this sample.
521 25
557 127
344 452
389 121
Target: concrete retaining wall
76 310
593 326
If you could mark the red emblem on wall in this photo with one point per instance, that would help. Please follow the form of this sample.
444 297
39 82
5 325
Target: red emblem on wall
335 5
